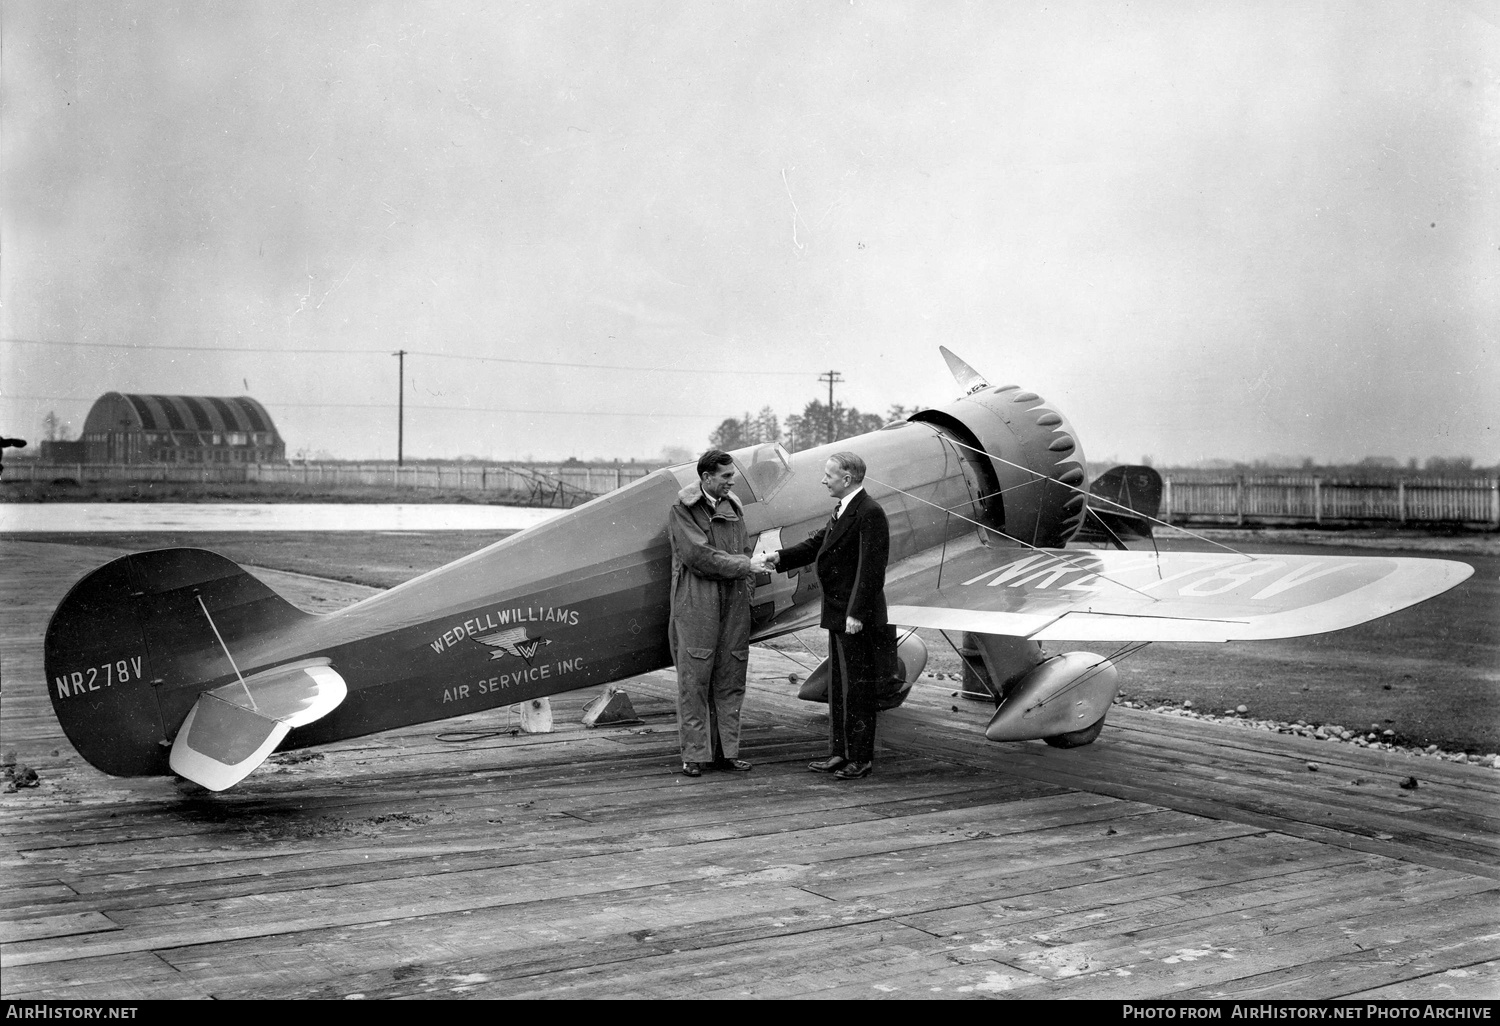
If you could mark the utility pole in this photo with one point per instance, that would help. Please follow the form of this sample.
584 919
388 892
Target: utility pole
400 356
832 377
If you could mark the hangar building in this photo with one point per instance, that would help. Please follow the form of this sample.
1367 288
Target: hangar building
125 428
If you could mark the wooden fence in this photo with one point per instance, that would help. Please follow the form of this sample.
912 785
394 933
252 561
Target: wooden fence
1233 500
561 484
564 481
1311 500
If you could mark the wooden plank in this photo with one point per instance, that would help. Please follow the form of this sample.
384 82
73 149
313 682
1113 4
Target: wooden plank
20 894
1272 788
376 863
513 942
1095 895
472 826
353 903
66 925
514 928
1032 913
1457 797
1360 788
1210 764
1171 963
574 932
980 979
1296 815
786 966
1388 972
138 976
1229 915
1001 854
1477 981
1237 736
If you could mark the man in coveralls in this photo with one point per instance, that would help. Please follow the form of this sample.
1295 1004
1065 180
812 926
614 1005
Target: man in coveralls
851 554
709 631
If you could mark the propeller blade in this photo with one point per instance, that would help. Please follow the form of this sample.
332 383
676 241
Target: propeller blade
967 377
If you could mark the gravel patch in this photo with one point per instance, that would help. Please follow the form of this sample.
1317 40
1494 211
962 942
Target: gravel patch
1374 737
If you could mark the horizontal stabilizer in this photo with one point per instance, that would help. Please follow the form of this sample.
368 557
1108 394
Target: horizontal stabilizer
232 729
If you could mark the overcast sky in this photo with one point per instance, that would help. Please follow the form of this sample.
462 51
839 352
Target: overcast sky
1228 229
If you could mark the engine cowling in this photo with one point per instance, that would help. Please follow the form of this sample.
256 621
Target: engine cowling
1037 472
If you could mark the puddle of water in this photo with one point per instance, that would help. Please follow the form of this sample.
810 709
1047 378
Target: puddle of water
84 517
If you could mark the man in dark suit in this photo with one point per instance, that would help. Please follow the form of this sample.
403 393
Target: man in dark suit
850 554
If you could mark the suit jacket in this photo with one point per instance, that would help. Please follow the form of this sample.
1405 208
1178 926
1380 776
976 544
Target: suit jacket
851 553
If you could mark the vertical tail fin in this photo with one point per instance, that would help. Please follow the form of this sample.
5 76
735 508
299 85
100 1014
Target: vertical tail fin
129 650
1120 502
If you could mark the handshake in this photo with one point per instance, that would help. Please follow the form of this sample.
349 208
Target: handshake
763 564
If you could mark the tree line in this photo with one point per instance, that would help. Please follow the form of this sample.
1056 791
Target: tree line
816 425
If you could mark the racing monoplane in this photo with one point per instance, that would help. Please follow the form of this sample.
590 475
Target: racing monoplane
180 661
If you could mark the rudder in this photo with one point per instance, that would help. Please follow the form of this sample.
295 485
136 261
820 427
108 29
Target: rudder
129 649
1123 502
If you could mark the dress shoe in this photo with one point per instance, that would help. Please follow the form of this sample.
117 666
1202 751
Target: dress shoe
733 765
691 769
828 765
855 770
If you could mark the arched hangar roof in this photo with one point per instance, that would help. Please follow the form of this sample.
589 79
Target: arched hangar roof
120 411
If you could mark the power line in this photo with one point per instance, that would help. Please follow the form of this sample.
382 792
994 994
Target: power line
300 351
392 406
193 349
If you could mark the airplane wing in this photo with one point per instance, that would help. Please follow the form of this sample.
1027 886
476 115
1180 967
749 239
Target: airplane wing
1082 595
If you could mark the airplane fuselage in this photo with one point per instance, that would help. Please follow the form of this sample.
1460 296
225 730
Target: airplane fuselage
583 599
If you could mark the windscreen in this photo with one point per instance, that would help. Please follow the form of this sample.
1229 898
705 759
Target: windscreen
763 470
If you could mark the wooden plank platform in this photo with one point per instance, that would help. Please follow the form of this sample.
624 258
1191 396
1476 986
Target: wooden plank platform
1173 858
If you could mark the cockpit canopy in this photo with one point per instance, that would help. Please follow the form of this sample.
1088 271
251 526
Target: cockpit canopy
762 470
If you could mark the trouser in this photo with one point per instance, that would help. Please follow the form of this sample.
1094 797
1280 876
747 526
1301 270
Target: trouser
855 667
711 686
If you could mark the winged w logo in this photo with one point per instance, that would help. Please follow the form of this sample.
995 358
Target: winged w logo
514 641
